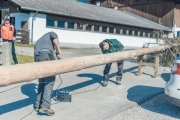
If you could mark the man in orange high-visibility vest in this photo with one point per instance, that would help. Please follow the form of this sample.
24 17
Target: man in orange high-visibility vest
8 34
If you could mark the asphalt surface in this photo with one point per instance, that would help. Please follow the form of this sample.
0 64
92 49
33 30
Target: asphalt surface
89 99
157 108
68 53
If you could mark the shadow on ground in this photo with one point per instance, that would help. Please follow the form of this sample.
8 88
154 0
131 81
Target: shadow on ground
30 90
165 76
161 105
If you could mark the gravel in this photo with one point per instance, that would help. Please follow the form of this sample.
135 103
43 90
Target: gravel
157 108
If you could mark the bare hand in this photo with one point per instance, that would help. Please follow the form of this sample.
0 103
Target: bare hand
14 38
0 39
59 55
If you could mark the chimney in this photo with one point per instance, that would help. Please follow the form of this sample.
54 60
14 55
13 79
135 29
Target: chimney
98 3
116 7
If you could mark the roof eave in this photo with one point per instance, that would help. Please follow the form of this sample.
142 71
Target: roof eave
34 10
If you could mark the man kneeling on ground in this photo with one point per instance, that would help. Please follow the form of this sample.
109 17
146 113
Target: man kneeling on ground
111 46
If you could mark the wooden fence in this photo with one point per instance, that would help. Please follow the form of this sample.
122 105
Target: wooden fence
22 36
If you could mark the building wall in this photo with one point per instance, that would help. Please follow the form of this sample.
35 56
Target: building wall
81 37
6 4
19 18
160 11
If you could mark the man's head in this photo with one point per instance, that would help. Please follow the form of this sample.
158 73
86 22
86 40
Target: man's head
104 45
7 19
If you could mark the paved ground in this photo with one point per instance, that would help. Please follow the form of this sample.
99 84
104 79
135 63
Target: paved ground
96 104
157 108
67 53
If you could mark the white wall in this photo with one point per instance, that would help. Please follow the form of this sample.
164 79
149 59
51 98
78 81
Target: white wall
19 17
72 36
176 29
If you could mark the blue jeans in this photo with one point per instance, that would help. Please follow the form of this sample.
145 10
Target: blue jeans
119 65
13 51
45 85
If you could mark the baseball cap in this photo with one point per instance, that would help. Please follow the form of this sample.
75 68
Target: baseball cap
6 17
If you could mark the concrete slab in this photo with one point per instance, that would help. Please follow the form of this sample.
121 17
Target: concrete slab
88 101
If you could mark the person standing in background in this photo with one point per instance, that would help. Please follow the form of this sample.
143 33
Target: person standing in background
8 34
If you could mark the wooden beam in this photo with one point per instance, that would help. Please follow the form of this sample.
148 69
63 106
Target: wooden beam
127 32
121 31
55 23
66 25
144 34
133 33
92 28
84 26
100 29
75 26
139 33
13 74
114 30
107 29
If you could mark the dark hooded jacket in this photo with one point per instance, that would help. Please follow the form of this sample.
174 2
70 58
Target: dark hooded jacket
114 46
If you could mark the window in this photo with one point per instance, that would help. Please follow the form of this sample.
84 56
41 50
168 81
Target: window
136 33
104 29
80 26
12 20
117 30
141 33
88 27
111 30
124 31
146 34
50 22
24 25
71 25
61 24
96 28
130 32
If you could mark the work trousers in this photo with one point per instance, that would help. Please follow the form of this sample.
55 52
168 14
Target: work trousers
45 85
13 51
119 65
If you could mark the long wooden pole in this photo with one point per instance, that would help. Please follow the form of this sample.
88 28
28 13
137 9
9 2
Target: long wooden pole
31 71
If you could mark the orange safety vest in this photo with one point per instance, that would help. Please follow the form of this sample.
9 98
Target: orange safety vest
7 32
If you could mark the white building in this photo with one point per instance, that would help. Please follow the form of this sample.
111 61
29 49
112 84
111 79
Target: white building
80 23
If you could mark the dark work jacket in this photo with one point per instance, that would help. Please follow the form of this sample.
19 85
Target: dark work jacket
114 46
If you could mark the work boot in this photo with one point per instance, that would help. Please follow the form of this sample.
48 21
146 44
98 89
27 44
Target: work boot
118 79
105 80
47 111
36 109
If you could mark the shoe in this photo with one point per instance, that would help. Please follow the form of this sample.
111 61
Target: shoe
118 79
36 109
15 63
105 80
46 111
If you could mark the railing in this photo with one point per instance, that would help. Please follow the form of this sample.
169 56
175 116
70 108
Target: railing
22 36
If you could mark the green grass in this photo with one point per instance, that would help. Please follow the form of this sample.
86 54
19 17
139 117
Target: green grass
32 45
24 59
24 45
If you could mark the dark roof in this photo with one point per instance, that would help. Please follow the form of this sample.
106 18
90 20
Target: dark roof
86 11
